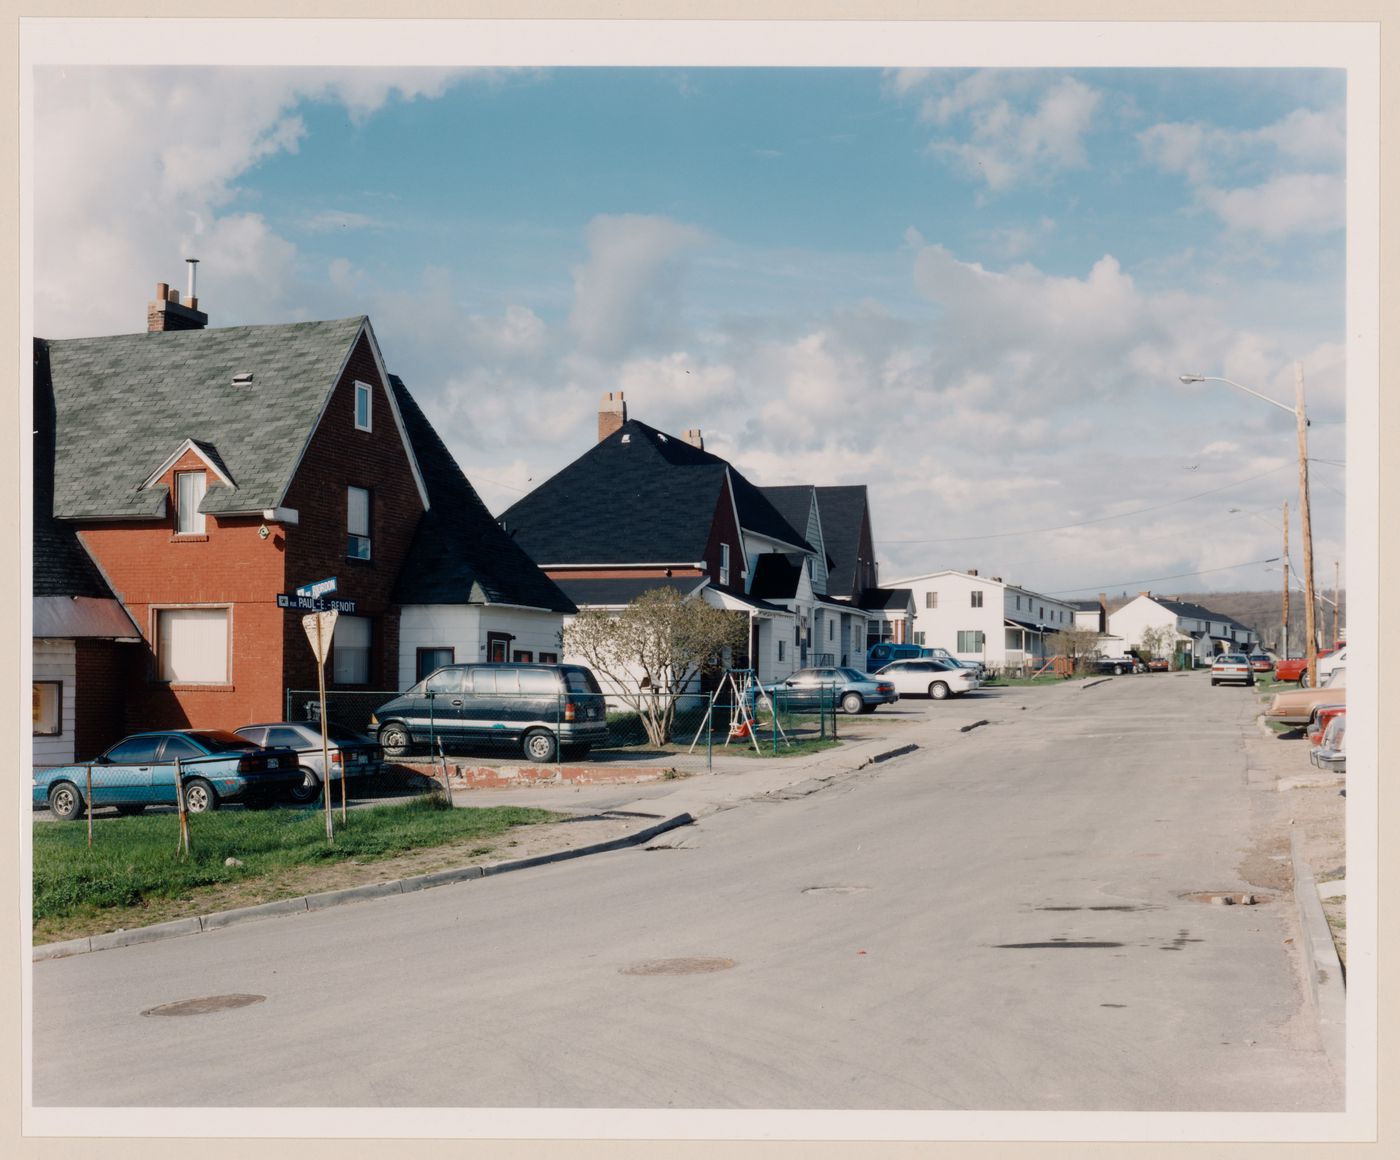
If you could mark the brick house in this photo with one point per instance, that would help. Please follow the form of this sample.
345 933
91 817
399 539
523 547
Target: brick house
201 472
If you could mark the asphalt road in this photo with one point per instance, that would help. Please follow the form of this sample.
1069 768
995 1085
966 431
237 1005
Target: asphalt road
998 921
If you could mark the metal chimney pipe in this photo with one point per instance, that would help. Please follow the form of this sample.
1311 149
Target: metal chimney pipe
191 301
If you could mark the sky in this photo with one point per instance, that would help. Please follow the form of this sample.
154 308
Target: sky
971 289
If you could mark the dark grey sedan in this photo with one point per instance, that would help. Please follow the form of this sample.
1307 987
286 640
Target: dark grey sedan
852 690
352 755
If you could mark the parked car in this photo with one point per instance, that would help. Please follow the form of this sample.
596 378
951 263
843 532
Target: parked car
1115 666
929 678
1332 753
1330 661
1158 665
1324 716
1298 706
1293 668
139 771
942 654
1231 667
545 709
352 755
879 655
1261 662
853 691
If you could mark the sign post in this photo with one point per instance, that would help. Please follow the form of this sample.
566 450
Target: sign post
320 628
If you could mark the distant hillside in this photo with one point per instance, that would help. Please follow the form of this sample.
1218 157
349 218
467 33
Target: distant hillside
1261 611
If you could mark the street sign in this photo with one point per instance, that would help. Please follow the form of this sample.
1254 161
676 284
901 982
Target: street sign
300 602
317 588
320 628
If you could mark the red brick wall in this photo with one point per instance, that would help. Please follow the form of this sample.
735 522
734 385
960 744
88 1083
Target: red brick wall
149 566
105 671
341 456
725 530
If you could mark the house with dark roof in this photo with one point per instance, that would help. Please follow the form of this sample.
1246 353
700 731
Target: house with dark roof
1194 632
203 472
642 509
851 611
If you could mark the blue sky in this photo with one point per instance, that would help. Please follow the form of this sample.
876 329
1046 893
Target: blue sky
970 289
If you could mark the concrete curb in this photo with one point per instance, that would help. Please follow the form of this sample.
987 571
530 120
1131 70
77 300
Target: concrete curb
332 898
1326 983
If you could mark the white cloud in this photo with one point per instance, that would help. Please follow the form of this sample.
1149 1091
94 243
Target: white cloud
330 220
627 294
1019 127
1294 203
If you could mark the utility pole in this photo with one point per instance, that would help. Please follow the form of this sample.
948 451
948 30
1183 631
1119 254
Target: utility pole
1285 579
1336 603
1305 515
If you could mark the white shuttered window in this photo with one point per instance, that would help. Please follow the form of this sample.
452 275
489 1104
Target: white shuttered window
192 645
350 658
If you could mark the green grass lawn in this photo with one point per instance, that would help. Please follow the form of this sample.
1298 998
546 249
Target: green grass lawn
134 861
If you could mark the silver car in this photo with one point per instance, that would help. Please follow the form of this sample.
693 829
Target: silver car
930 678
352 754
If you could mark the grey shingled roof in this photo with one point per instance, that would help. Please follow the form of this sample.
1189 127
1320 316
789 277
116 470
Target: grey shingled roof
125 403
459 554
842 511
613 593
638 497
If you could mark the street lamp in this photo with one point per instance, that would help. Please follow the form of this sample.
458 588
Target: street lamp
1287 568
1299 412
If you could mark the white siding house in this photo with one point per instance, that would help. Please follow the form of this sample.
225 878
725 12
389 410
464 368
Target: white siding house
55 700
1193 631
984 618
432 635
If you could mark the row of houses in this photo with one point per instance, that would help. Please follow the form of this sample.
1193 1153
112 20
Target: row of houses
185 477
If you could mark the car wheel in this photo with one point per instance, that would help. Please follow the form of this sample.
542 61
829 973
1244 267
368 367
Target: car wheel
939 691
200 797
307 790
1213 682
393 739
65 802
130 811
1118 670
852 703
539 745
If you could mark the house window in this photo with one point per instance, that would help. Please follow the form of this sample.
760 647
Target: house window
48 708
432 659
970 641
1041 614
189 492
350 648
782 650
724 563
357 523
497 647
930 599
364 407
549 658
977 599
523 656
919 638
831 630
1018 603
192 646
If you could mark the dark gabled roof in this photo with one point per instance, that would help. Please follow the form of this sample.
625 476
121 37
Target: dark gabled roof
624 590
639 496
775 575
124 403
1197 612
1084 605
793 502
876 599
62 566
459 554
843 510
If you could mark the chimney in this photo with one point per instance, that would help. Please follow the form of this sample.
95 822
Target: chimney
612 414
972 571
1148 593
167 312
694 438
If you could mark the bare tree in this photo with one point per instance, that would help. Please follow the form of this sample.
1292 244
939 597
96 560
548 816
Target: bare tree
1076 643
653 650
1156 640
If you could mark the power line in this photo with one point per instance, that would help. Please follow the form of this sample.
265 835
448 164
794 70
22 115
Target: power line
1154 579
1096 520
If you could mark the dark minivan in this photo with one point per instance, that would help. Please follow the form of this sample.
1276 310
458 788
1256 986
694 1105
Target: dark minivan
542 708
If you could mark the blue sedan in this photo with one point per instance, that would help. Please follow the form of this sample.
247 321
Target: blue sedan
216 766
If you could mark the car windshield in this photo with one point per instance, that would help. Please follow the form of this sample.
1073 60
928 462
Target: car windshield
221 741
852 675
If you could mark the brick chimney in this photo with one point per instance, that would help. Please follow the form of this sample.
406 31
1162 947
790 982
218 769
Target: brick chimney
694 438
1148 593
612 414
972 571
167 312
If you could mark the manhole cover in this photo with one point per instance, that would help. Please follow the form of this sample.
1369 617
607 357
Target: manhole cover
1227 898
206 1006
834 889
690 966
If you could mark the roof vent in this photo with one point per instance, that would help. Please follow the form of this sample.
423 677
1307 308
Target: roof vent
243 379
661 437
626 438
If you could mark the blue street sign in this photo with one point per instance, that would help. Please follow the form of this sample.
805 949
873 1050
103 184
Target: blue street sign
300 602
317 587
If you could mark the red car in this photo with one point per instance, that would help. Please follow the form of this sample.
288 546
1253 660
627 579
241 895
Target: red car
1325 716
1260 663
